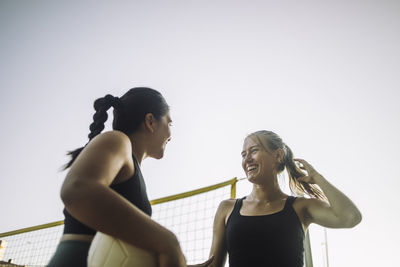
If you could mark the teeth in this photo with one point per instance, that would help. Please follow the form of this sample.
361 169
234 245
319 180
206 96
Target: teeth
251 168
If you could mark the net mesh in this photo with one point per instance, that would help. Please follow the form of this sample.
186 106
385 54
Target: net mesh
33 248
189 217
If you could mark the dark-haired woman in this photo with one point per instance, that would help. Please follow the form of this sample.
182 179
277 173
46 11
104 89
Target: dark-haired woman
104 189
266 228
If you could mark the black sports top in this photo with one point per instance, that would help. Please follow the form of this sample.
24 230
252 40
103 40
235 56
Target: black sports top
274 240
133 189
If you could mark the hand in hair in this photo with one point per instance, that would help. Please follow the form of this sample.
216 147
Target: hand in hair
312 176
337 212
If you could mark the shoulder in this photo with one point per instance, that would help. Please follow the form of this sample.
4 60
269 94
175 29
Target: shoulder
225 208
302 203
307 203
113 136
107 157
227 204
115 142
108 150
304 207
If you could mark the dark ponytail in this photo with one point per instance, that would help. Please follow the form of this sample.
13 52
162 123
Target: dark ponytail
271 142
101 105
129 113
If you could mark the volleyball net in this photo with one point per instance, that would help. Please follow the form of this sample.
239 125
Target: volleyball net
189 215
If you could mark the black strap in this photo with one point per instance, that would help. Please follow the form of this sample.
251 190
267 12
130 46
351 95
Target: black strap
238 205
289 202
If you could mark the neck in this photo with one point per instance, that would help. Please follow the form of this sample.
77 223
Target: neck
267 192
138 147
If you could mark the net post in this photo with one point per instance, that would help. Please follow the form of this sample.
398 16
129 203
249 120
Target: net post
233 187
307 250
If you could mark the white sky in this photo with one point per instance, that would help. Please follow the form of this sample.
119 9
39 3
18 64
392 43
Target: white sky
322 74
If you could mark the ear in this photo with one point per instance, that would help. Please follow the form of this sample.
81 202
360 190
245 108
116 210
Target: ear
149 121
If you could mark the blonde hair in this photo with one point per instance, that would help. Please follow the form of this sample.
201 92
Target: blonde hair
270 141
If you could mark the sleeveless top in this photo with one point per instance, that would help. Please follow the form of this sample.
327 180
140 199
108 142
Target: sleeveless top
133 189
274 240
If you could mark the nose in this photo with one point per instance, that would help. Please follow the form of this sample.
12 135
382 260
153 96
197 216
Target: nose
248 158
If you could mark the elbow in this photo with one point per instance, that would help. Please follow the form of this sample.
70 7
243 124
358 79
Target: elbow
357 218
353 220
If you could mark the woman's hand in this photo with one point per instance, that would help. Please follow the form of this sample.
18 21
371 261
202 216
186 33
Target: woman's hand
174 259
204 264
312 177
338 212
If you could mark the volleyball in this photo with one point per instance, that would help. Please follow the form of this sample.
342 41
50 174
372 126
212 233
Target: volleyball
106 251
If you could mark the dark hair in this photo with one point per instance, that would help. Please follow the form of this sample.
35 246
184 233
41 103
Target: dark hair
271 142
129 112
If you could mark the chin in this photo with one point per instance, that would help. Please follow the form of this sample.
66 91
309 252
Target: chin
250 179
253 179
159 155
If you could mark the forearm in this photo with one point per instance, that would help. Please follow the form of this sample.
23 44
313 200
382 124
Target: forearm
218 246
102 209
340 204
218 261
219 256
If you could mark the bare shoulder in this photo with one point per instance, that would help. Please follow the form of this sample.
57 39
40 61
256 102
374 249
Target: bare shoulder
115 137
115 142
227 204
106 150
303 205
303 202
106 158
300 201
225 208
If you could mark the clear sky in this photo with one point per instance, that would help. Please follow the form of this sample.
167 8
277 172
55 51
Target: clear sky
325 75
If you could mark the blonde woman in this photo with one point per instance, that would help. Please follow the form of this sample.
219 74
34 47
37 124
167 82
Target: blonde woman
266 228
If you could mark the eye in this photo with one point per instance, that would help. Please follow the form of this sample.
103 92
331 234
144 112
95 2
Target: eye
243 155
170 124
254 150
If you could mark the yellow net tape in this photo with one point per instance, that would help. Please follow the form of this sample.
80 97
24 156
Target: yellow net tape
189 215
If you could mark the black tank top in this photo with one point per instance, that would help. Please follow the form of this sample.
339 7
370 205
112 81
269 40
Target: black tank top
133 189
274 240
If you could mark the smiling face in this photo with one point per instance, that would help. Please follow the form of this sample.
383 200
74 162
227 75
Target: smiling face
257 162
160 137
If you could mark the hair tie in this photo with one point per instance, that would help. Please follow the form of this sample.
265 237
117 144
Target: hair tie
117 103
113 101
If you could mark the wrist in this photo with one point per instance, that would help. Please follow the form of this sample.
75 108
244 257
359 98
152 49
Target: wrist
319 179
